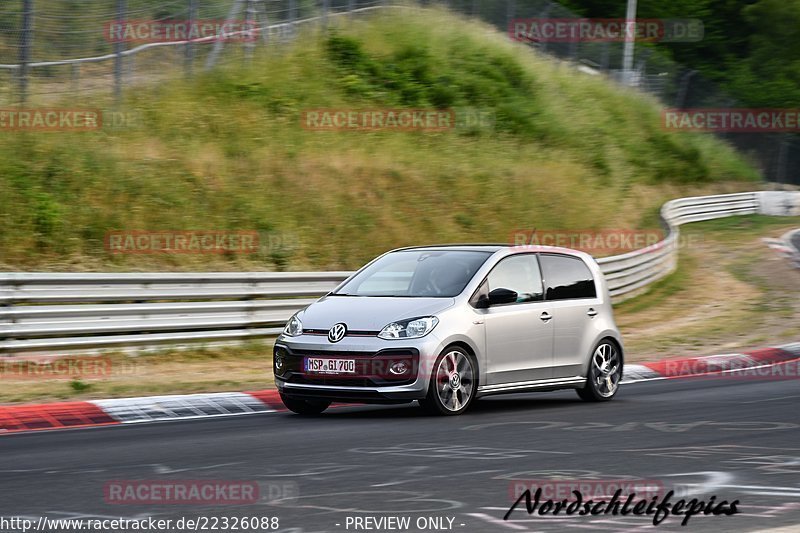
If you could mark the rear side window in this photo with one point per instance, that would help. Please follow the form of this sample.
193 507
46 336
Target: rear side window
566 278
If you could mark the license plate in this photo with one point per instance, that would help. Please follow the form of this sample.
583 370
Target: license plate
318 365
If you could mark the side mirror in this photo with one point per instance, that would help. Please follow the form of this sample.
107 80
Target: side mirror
502 296
482 302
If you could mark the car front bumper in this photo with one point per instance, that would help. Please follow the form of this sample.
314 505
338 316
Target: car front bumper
371 383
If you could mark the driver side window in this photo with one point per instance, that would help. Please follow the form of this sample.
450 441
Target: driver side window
519 273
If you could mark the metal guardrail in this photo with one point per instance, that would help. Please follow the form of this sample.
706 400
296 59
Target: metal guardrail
52 313
629 273
43 313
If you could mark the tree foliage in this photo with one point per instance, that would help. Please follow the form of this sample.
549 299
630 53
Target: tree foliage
752 48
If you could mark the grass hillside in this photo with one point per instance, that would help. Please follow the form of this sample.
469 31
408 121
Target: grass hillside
226 151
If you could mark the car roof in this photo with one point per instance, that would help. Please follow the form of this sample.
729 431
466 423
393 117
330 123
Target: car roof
464 247
492 248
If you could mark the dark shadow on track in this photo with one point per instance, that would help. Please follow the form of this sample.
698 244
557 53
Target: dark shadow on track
498 405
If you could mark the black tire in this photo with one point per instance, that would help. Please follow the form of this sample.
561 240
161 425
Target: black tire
460 391
605 364
305 407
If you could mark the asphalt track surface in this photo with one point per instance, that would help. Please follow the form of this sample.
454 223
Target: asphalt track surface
736 438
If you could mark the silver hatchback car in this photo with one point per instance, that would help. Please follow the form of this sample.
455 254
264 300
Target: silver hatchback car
444 325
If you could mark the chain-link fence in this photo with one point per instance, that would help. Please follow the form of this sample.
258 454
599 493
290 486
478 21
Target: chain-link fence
50 49
54 48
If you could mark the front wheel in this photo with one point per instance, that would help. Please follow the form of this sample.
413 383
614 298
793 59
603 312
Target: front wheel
305 407
453 383
605 373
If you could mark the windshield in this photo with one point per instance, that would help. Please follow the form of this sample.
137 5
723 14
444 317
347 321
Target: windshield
416 274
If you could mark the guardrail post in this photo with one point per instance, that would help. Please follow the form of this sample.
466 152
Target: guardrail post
7 305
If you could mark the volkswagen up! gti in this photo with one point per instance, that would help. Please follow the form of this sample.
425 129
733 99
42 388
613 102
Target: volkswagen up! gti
444 325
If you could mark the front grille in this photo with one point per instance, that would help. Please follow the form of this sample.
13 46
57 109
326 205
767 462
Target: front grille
331 380
371 368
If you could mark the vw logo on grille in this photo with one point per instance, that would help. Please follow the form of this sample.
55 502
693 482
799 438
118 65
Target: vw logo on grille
337 332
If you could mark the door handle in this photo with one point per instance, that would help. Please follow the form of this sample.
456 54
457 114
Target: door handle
545 316
591 312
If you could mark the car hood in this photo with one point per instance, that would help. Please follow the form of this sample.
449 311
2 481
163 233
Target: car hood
368 314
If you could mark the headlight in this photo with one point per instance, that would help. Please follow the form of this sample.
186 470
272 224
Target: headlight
294 327
409 329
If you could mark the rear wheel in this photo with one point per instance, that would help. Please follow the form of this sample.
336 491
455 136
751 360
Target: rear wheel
305 407
453 383
605 373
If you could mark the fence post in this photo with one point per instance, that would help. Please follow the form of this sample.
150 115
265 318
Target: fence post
781 170
75 77
683 91
25 49
325 7
628 50
188 58
219 43
265 23
249 17
546 14
292 16
351 6
119 47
